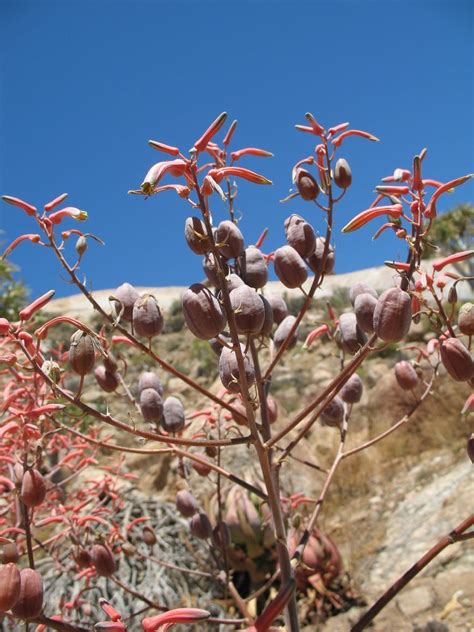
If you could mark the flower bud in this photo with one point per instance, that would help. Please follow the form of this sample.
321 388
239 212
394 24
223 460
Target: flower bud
147 317
392 315
229 239
33 488
406 375
186 503
290 267
81 245
103 560
9 586
342 174
127 295
452 295
173 415
81 353
52 370
202 312
457 360
30 601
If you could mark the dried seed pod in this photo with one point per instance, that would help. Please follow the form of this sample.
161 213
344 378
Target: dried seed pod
200 526
30 600
361 288
127 295
151 405
107 381
149 379
272 408
52 370
364 307
103 560
457 360
173 415
203 312
196 236
201 468
229 370
306 184
210 269
248 308
333 413
147 317
452 295
221 535
315 262
110 362
470 448
81 352
254 270
216 344
229 239
290 267
186 503
267 326
351 392
300 235
466 319
282 332
279 307
81 245
9 553
233 281
406 375
392 315
9 586
81 557
352 337
33 488
148 535
342 174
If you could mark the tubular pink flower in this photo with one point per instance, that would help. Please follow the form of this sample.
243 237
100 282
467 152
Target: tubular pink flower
431 208
337 142
29 208
392 190
250 151
317 128
314 335
42 331
34 238
271 612
58 200
219 174
69 211
230 132
157 171
27 312
383 228
454 258
167 149
305 128
394 210
211 131
337 128
162 622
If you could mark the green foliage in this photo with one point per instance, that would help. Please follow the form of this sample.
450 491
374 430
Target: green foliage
174 320
13 294
452 231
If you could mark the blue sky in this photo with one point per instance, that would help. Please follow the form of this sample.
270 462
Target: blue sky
84 85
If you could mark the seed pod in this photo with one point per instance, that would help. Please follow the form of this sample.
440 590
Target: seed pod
290 267
342 174
149 379
147 317
201 468
103 560
151 405
33 488
282 332
470 448
200 526
300 235
81 245
351 392
9 553
254 270
279 307
361 288
229 239
196 236
81 557
406 375
457 360
128 549
272 408
210 269
30 600
221 535
216 345
52 370
229 370
352 337
203 312
305 183
110 362
392 315
127 295
364 307
233 281
81 353
452 295
315 262
248 308
267 326
173 415
148 535
9 586
466 319
333 413
186 503
107 381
